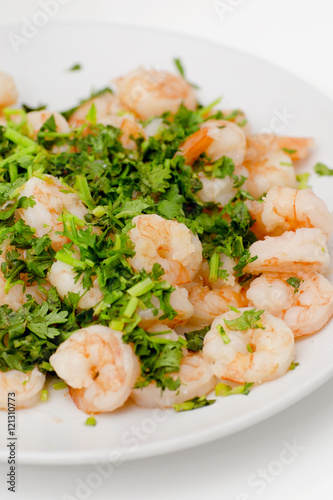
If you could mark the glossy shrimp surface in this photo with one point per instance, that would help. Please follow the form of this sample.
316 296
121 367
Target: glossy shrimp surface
51 199
26 386
305 307
98 367
254 355
150 93
169 243
36 120
287 209
8 92
304 249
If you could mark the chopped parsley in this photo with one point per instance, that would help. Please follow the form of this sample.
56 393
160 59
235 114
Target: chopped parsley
295 283
322 169
75 67
195 339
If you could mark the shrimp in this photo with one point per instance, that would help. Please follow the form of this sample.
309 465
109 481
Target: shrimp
276 169
169 243
8 92
196 379
258 146
50 201
36 120
254 355
227 264
150 93
211 303
216 138
105 104
220 191
179 301
304 249
287 209
99 368
305 309
26 386
63 277
129 127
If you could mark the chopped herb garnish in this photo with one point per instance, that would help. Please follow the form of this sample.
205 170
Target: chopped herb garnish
248 319
195 339
289 151
293 365
58 386
91 421
303 180
193 404
223 390
295 283
75 67
322 169
44 395
224 336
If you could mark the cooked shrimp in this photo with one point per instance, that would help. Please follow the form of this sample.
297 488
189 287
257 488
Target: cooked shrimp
258 146
227 264
253 355
26 386
196 377
305 309
304 249
179 301
130 129
63 277
216 138
211 303
8 92
220 191
105 104
276 169
98 367
36 120
150 93
169 243
286 209
51 199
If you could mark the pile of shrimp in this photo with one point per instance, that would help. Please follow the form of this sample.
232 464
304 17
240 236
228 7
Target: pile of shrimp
292 226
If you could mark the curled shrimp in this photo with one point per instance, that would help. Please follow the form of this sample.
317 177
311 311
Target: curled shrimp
150 93
36 120
51 199
305 309
258 146
196 379
216 138
208 304
26 386
169 243
63 277
105 104
8 92
304 249
287 209
179 301
129 127
254 355
98 367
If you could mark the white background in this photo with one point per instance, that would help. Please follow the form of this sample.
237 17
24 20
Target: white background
296 35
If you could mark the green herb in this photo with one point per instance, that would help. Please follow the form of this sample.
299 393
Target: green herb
289 151
58 386
193 404
322 169
181 71
91 421
303 180
44 395
75 67
226 390
195 339
293 365
295 283
224 336
249 319
249 348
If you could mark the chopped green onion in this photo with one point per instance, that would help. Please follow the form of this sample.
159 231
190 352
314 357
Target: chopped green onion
19 139
82 187
141 288
91 421
44 395
116 324
131 306
224 336
249 348
214 265
59 385
99 212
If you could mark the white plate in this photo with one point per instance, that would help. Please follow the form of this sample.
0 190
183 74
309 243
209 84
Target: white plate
54 432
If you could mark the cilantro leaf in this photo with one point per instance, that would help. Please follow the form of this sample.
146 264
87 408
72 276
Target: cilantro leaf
193 404
322 169
248 319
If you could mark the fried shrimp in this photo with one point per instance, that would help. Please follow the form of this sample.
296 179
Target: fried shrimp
251 355
150 93
304 301
215 138
63 277
286 209
196 379
98 367
51 199
304 249
26 386
169 243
